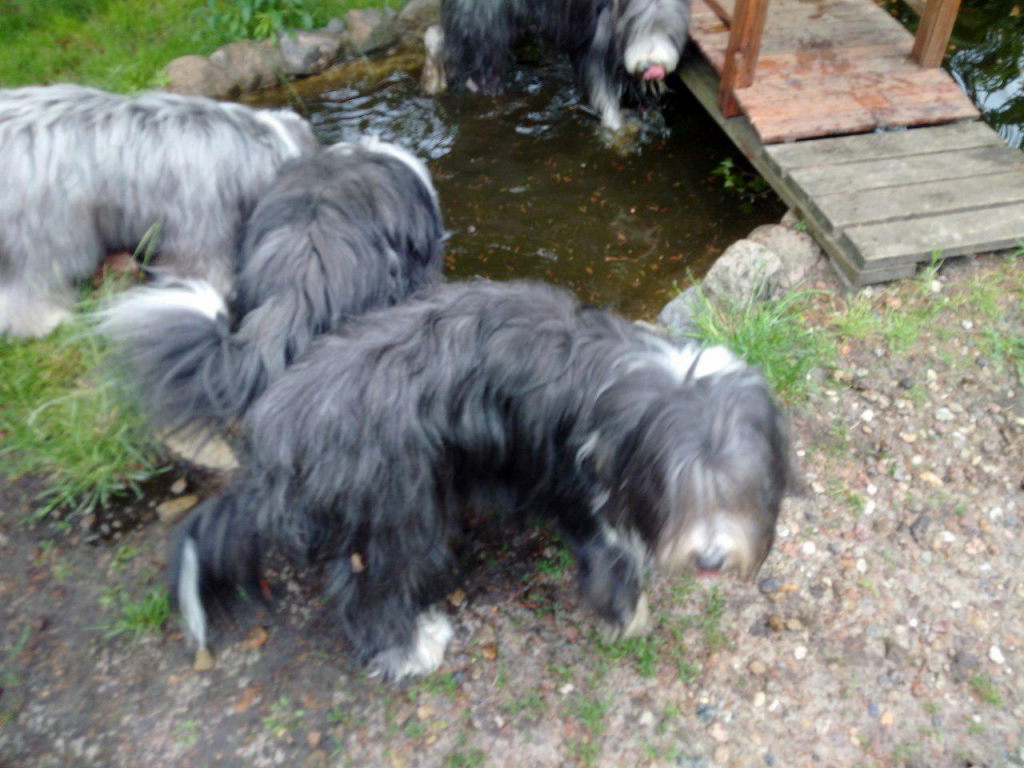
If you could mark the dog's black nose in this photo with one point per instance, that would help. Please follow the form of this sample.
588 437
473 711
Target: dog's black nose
711 561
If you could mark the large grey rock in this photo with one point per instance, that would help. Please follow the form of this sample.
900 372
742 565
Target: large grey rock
368 30
745 270
414 19
677 316
309 52
250 65
198 76
797 251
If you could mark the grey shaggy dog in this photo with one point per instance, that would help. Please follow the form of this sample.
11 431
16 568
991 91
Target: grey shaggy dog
617 47
353 227
87 172
364 455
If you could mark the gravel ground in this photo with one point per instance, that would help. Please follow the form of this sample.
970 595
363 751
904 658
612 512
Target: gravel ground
884 630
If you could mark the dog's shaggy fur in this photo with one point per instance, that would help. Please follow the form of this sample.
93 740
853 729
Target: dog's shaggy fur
616 46
87 172
351 228
364 454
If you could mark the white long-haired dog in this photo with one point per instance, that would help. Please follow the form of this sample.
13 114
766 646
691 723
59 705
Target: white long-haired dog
616 46
362 457
86 172
353 227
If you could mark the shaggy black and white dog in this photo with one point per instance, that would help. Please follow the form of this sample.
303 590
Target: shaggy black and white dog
353 227
363 455
87 172
616 46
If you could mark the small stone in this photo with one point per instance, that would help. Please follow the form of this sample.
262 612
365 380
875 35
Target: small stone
757 667
867 415
861 565
908 437
566 689
356 561
931 478
996 655
768 586
706 712
203 660
646 718
759 699
906 383
944 414
808 548
794 625
178 486
172 510
718 733
489 651
887 718
947 537
313 738
457 598
800 652
869 508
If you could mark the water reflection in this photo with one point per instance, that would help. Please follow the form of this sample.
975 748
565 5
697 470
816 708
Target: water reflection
530 187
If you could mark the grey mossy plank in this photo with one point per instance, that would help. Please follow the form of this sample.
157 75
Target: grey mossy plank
900 171
932 198
951 234
913 141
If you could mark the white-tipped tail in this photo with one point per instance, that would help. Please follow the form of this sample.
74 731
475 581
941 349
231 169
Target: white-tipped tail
140 303
190 604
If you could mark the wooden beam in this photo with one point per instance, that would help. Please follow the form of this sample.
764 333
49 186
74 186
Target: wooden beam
934 32
742 52
720 11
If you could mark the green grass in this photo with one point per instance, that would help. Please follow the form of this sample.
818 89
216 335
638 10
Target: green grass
145 616
985 689
771 334
123 45
63 419
10 681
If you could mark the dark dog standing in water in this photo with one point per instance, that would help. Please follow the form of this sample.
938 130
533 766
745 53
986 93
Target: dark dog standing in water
363 456
619 48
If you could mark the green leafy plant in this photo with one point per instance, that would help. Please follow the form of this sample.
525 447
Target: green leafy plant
259 19
748 186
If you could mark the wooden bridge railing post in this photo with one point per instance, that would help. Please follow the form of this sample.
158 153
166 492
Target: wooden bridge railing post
741 54
934 32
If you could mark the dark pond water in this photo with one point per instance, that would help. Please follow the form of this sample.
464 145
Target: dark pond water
987 58
530 187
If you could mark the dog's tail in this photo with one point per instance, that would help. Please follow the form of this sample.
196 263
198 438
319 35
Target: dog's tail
186 365
216 556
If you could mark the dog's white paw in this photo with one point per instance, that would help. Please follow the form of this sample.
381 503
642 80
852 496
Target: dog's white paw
423 656
639 624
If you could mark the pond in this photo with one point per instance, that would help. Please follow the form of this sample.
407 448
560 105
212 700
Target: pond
531 189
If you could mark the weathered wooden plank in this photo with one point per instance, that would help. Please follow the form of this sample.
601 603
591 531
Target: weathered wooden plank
899 143
874 206
949 234
897 171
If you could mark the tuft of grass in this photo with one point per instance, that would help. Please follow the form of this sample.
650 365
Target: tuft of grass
283 718
13 697
145 616
771 334
465 757
985 689
63 418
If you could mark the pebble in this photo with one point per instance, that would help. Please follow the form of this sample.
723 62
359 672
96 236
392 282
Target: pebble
768 586
718 733
906 383
944 414
757 667
808 548
996 655
646 718
800 652
759 699
873 709
868 415
862 565
869 508
566 689
172 510
931 478
706 713
178 486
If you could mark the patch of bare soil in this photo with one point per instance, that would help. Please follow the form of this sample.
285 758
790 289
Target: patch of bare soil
884 630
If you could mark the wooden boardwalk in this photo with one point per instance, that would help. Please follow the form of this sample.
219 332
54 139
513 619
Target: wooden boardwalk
885 160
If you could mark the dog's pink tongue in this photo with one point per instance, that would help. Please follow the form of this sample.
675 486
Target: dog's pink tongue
656 72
